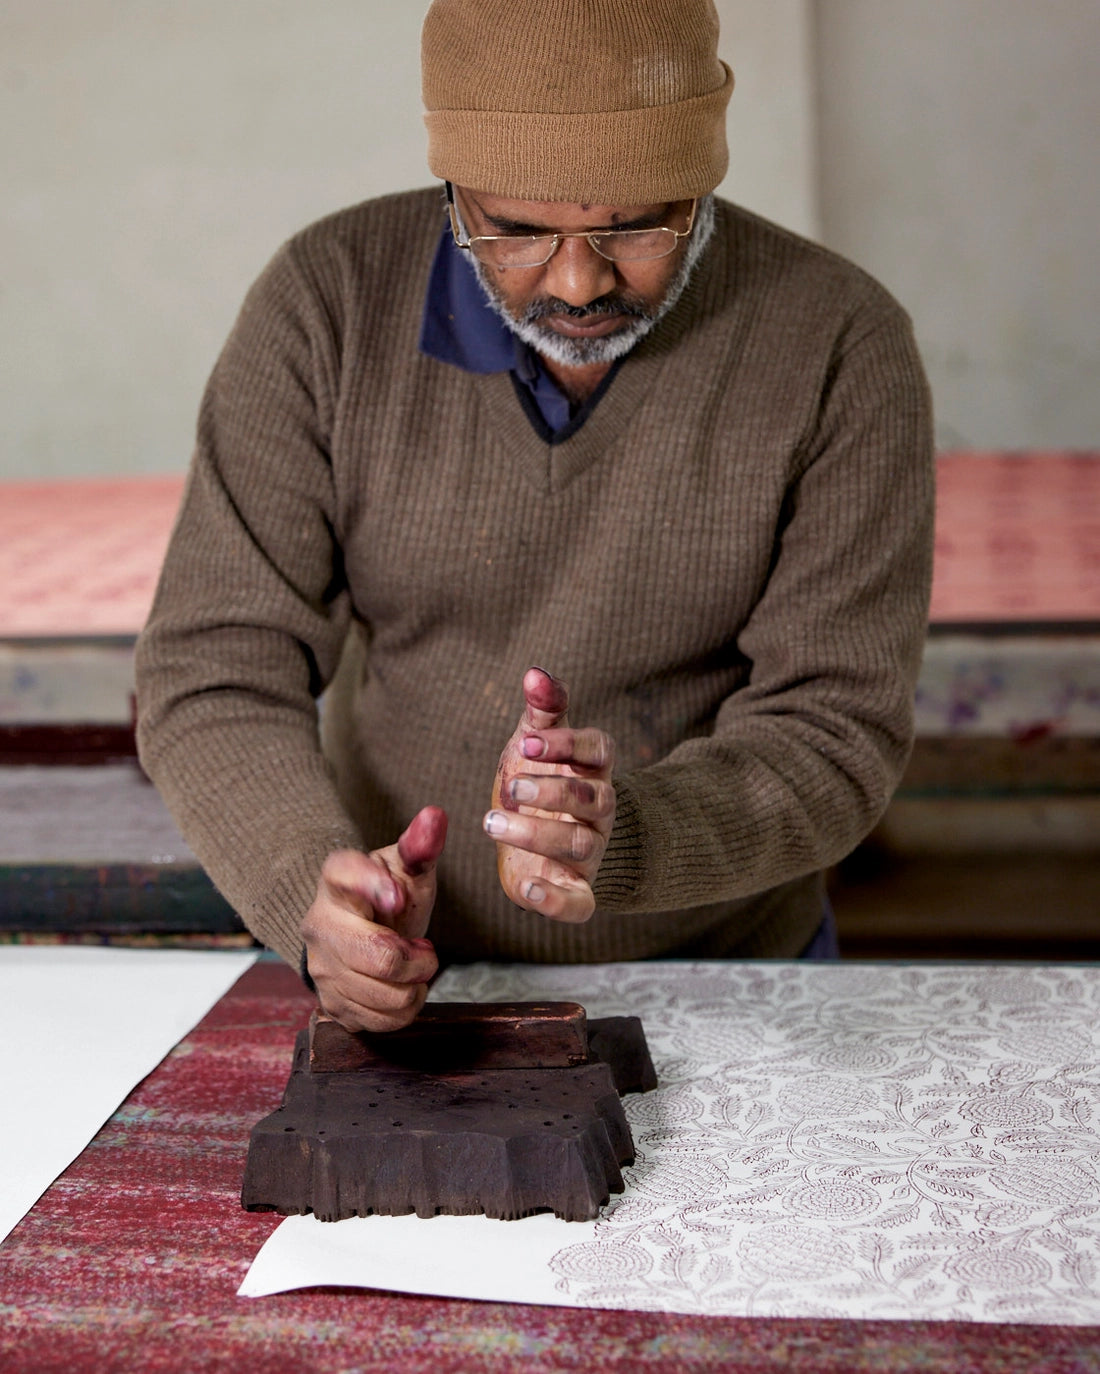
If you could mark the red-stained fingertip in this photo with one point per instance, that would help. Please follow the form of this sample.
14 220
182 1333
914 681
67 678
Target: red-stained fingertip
544 692
423 840
387 897
421 946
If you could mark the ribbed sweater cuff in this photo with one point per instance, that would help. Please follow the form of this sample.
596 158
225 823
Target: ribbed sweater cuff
281 908
266 851
622 871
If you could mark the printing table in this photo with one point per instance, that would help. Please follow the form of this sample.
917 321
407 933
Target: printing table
132 1259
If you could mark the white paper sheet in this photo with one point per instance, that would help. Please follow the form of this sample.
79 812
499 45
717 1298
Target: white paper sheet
467 1257
869 1141
80 1027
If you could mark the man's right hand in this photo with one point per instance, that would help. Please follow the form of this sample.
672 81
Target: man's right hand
364 933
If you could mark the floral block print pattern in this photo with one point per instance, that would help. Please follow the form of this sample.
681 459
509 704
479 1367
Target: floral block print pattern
876 1141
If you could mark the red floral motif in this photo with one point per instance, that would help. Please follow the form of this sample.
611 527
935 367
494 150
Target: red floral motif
836 1199
998 1266
785 1250
665 1108
1007 1110
1007 988
813 1098
855 1055
1048 1044
685 1177
1045 1183
601 1261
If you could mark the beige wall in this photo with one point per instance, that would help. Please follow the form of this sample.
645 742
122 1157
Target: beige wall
161 152
154 155
960 158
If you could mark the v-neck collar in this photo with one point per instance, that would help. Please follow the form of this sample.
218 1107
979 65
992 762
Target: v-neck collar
551 467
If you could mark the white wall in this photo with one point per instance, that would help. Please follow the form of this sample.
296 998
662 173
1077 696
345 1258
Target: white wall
960 163
153 156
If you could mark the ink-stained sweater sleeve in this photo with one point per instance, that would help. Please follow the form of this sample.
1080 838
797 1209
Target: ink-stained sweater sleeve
804 757
250 615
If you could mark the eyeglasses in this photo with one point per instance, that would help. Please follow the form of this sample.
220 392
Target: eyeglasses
533 250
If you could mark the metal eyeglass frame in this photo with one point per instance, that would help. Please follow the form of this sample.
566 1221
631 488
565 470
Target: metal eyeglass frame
555 239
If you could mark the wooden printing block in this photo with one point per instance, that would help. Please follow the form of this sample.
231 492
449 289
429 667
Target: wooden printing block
427 1123
469 1035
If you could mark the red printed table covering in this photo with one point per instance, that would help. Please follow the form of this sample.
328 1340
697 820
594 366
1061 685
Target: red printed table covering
131 1261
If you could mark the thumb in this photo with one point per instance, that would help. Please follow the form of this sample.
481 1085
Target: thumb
360 883
546 699
422 841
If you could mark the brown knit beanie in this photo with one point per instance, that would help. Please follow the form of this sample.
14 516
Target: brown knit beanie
599 101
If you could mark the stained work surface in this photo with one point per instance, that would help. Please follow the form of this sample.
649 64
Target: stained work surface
132 1259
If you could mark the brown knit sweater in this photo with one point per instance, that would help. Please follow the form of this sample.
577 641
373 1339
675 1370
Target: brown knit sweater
728 563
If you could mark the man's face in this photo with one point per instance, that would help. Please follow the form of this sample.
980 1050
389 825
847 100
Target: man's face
580 308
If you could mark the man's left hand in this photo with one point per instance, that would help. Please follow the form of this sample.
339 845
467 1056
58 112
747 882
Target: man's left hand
553 806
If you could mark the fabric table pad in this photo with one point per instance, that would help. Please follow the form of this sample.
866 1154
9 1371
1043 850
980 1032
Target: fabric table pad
133 1258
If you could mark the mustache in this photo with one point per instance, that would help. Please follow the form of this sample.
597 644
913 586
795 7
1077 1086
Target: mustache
615 304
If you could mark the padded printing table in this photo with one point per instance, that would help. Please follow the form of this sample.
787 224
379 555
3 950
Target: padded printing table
132 1259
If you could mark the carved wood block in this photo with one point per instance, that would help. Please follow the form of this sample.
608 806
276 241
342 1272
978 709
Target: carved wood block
392 1139
620 1043
459 1035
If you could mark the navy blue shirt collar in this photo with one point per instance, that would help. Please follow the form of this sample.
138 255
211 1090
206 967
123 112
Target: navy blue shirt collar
461 328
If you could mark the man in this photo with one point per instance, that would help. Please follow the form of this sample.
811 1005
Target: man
582 415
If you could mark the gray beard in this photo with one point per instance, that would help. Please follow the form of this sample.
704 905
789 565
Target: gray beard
642 318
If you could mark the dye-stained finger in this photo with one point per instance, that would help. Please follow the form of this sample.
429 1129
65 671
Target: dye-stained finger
570 903
567 842
591 749
375 1008
421 843
586 799
545 699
